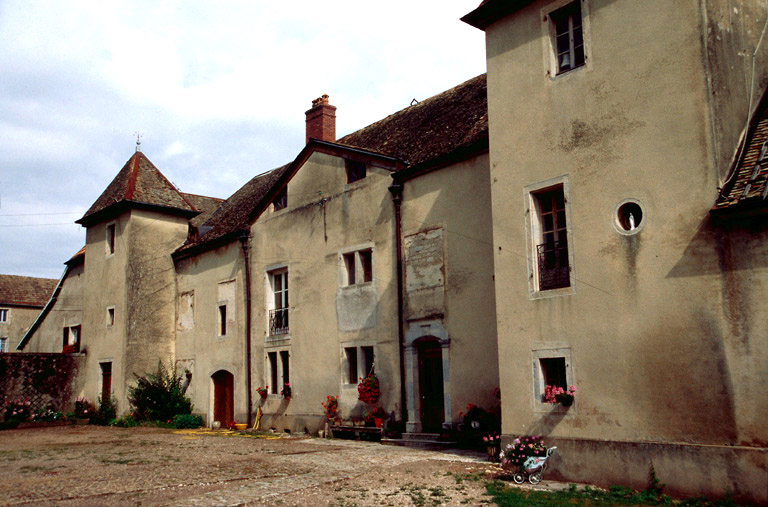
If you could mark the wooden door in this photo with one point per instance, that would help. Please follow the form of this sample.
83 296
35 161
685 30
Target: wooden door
223 397
431 386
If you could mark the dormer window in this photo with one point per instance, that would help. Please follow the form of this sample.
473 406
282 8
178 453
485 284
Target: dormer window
281 199
355 170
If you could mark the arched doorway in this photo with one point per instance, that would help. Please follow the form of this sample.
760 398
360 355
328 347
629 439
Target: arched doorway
223 397
431 385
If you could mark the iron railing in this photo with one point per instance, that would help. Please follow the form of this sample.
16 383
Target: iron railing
278 321
554 271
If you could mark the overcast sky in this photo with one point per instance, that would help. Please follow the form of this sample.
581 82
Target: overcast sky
217 89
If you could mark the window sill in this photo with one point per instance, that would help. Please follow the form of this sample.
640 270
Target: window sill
551 293
277 339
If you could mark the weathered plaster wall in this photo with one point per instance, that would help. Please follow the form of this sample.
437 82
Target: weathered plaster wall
199 346
448 256
660 332
66 312
326 217
18 321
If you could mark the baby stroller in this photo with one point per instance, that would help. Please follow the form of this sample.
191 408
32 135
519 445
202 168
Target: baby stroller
533 468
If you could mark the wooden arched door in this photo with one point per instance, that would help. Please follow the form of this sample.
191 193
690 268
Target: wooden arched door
223 397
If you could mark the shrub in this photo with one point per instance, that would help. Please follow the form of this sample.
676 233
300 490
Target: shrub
127 421
84 409
107 411
18 411
47 415
183 421
159 396
368 390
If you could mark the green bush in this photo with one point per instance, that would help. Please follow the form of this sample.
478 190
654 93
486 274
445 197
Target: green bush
124 422
159 396
184 421
106 412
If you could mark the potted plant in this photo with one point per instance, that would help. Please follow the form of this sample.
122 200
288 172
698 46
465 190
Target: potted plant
331 406
263 392
493 446
286 390
368 390
556 394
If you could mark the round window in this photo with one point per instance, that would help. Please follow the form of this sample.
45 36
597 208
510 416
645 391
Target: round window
629 217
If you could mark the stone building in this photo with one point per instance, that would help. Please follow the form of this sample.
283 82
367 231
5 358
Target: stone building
21 299
613 126
367 254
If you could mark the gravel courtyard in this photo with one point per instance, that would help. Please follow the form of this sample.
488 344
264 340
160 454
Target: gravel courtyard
101 466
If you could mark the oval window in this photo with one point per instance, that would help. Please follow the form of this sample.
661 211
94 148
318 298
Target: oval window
629 217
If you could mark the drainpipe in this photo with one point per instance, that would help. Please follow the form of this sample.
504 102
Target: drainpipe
396 189
246 256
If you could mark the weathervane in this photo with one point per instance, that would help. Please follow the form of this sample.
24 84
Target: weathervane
139 135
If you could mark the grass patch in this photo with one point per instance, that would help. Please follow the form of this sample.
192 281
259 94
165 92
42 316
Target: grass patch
506 496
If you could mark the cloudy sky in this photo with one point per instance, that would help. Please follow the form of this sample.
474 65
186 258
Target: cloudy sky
217 89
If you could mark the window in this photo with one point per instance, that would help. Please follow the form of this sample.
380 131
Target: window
106 380
222 320
110 247
71 339
552 367
552 244
281 199
225 306
358 361
278 370
278 313
350 355
110 316
568 37
272 365
355 170
357 267
4 314
3 344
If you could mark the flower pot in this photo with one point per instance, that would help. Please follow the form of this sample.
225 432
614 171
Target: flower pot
565 400
378 422
240 426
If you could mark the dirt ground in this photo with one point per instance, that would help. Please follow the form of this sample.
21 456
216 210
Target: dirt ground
101 466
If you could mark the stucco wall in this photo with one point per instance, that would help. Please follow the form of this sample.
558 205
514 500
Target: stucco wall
448 257
199 346
18 321
326 217
647 326
67 311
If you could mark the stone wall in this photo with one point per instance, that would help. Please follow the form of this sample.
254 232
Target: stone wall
44 379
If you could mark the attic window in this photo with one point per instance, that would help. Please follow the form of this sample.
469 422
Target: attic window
355 170
281 199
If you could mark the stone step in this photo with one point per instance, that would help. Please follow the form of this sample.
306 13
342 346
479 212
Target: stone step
420 440
421 436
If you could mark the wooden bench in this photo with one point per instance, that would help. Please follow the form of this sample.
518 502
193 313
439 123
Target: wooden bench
356 430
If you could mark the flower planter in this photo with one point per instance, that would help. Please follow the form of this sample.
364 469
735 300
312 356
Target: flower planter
82 422
240 426
565 400
378 422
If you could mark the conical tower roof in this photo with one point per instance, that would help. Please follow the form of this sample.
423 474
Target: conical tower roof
139 184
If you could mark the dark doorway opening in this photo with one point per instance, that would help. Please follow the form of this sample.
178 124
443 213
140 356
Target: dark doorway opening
223 397
431 386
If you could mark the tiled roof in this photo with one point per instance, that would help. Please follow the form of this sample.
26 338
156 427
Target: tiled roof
207 206
423 134
233 216
25 290
747 186
432 128
138 182
78 258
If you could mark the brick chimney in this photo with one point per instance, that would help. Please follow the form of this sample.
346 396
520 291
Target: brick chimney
321 120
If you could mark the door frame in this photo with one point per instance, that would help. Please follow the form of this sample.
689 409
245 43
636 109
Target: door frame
420 331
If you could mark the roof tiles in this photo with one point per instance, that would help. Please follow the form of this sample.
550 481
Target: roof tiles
25 290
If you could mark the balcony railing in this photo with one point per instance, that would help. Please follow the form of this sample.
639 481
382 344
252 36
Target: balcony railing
554 271
278 321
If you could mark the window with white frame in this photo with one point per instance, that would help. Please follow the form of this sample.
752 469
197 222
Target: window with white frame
357 267
278 302
110 239
4 315
568 37
357 362
278 369
551 257
4 344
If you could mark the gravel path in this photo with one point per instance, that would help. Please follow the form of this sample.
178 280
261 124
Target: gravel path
100 466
